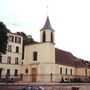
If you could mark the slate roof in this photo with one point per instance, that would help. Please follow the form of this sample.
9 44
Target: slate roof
66 58
47 25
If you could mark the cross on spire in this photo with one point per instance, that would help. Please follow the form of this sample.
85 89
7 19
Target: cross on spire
47 10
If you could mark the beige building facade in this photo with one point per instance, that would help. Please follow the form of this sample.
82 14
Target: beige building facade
10 62
45 63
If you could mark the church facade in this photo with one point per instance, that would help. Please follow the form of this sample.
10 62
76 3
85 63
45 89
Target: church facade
45 63
42 61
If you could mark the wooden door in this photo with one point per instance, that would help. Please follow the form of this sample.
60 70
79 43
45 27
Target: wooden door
21 77
33 74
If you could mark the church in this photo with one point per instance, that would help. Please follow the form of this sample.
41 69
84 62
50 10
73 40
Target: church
45 63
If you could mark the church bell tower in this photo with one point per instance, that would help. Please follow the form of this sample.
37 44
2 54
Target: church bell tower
47 33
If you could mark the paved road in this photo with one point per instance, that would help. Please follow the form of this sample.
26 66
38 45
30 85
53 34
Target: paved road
47 86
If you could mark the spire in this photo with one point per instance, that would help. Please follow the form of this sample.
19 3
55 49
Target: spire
47 25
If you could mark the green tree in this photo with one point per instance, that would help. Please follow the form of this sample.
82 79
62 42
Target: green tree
26 40
22 34
3 38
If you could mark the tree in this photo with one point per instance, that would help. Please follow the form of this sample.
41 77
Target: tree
26 39
22 34
3 38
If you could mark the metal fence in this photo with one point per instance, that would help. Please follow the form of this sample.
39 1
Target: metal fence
45 78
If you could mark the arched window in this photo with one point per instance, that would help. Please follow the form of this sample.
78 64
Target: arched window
66 71
86 72
71 71
52 37
44 37
60 70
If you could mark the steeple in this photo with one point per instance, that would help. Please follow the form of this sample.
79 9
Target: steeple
47 25
47 34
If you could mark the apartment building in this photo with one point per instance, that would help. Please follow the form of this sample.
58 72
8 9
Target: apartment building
10 62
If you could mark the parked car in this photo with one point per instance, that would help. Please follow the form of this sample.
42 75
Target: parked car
33 88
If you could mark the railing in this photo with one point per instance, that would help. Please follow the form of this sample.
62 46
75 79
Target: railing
54 78
47 78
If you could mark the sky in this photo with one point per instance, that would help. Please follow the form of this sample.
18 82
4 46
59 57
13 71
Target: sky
69 18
